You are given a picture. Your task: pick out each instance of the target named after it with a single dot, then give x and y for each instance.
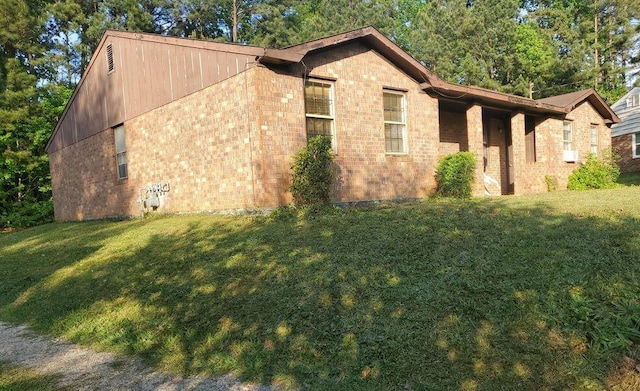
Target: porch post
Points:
(474, 138)
(519, 153)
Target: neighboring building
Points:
(184, 125)
(625, 136)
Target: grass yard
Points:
(629, 179)
(535, 293)
(15, 378)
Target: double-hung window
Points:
(594, 139)
(567, 136)
(319, 109)
(635, 144)
(121, 152)
(395, 124)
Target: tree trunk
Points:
(234, 28)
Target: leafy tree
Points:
(29, 108)
(533, 59)
(593, 42)
(462, 41)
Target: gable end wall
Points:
(201, 145)
(550, 146)
(147, 75)
(364, 170)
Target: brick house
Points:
(625, 135)
(183, 125)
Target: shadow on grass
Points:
(439, 295)
(629, 179)
(14, 378)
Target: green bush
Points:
(595, 173)
(27, 214)
(552, 183)
(455, 174)
(313, 173)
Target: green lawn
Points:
(630, 179)
(15, 378)
(536, 293)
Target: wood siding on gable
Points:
(147, 74)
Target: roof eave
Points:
(369, 35)
(492, 98)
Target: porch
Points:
(503, 141)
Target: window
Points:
(594, 139)
(530, 139)
(567, 136)
(318, 99)
(121, 152)
(394, 122)
(633, 100)
(110, 63)
(636, 145)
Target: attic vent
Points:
(110, 64)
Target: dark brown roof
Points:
(571, 100)
(368, 35)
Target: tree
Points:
(593, 40)
(29, 107)
(462, 41)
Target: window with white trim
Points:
(121, 152)
(567, 135)
(633, 100)
(319, 109)
(636, 145)
(395, 122)
(594, 139)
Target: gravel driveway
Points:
(83, 369)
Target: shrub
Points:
(455, 175)
(313, 173)
(552, 183)
(27, 214)
(595, 173)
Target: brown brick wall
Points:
(475, 140)
(453, 132)
(623, 146)
(549, 147)
(230, 146)
(85, 182)
(280, 131)
(199, 144)
(366, 171)
(519, 159)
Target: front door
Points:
(498, 153)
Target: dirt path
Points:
(83, 369)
